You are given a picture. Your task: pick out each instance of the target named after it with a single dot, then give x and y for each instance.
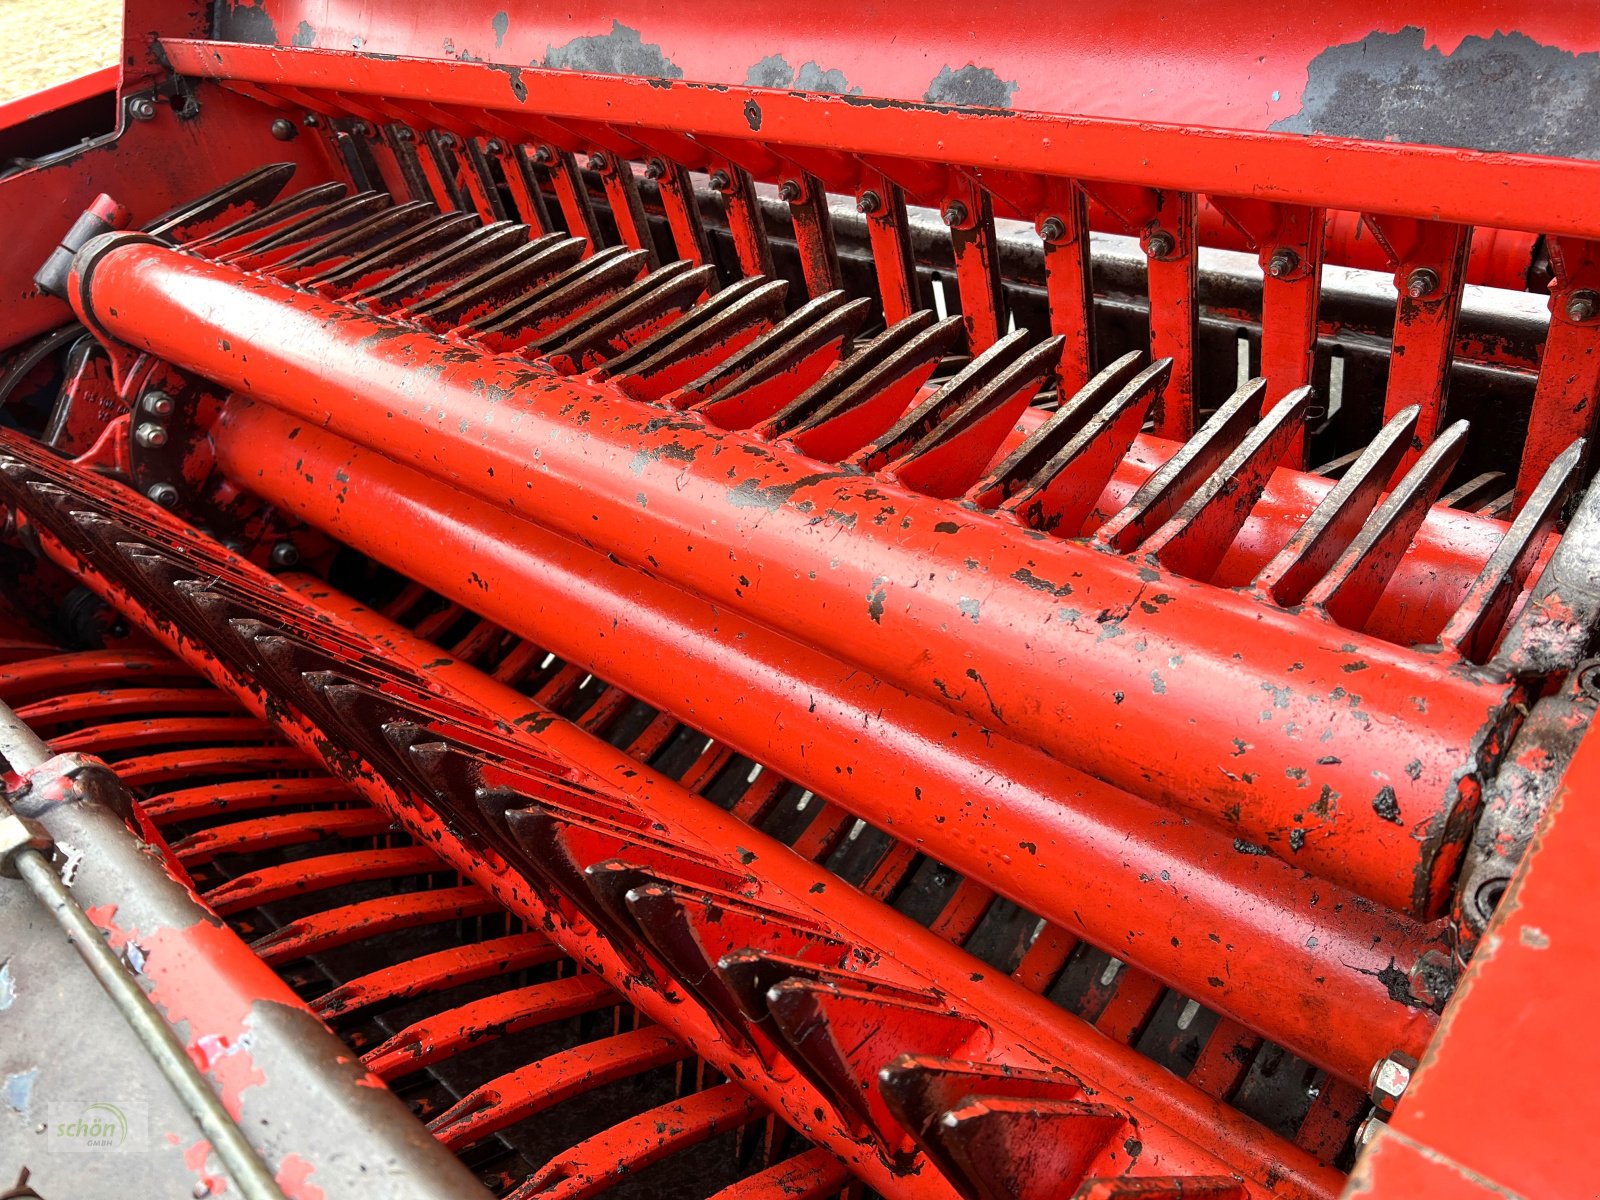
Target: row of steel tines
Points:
(682, 918)
(888, 404)
(546, 173)
(422, 977)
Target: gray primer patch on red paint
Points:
(1502, 93)
(970, 86)
(620, 52)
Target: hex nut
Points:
(157, 404)
(150, 435)
(142, 108)
(1422, 283)
(1390, 1079)
(163, 494)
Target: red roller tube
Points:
(1300, 733)
(1304, 963)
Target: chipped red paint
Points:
(658, 488)
(1024, 1028)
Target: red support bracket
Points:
(1288, 241)
(1564, 403)
(1430, 269)
(1165, 223)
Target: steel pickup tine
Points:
(1335, 521)
(581, 287)
(950, 456)
(1062, 493)
(282, 211)
(403, 291)
(251, 192)
(342, 245)
(392, 254)
(1180, 475)
(921, 1090)
(657, 301)
(1031, 1149)
(861, 397)
(1196, 538)
(1028, 459)
(841, 1037)
(499, 282)
(274, 247)
(1476, 624)
(672, 923)
(1350, 590)
(945, 401)
(769, 373)
(706, 337)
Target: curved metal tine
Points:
(288, 208)
(609, 328)
(1063, 493)
(706, 336)
(1351, 588)
(846, 373)
(1028, 459)
(950, 457)
(603, 257)
(840, 1037)
(282, 242)
(395, 251)
(439, 270)
(1178, 477)
(252, 190)
(773, 369)
(501, 283)
(1196, 538)
(951, 396)
(1317, 544)
(862, 409)
(1555, 629)
(375, 231)
(581, 286)
(920, 1089)
(1475, 626)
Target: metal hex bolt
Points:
(1390, 1079)
(494, 146)
(543, 154)
(869, 202)
(1053, 230)
(163, 494)
(447, 140)
(285, 555)
(789, 191)
(1159, 244)
(157, 404)
(719, 181)
(283, 129)
(954, 214)
(405, 133)
(598, 161)
(1283, 263)
(655, 169)
(1422, 282)
(142, 108)
(1582, 305)
(150, 435)
(312, 120)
